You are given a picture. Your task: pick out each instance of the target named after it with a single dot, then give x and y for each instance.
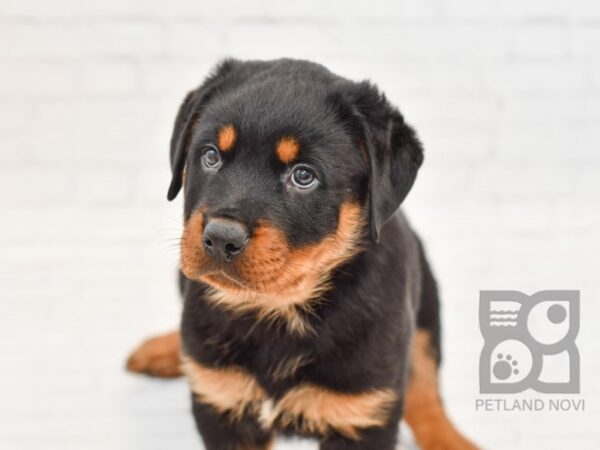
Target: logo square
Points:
(529, 342)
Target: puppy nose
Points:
(224, 239)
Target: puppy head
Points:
(283, 166)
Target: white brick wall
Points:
(505, 95)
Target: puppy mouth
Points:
(268, 265)
(207, 270)
(224, 276)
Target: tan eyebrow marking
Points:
(287, 149)
(226, 138)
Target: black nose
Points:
(224, 239)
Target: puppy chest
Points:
(309, 408)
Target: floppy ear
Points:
(393, 149)
(179, 140)
(187, 117)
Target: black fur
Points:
(362, 325)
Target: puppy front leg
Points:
(424, 411)
(158, 356)
(226, 404)
(370, 439)
(223, 432)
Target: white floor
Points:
(73, 307)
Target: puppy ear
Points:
(392, 147)
(179, 140)
(187, 117)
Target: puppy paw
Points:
(158, 357)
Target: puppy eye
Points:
(304, 178)
(211, 157)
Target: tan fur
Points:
(159, 357)
(363, 153)
(229, 390)
(423, 410)
(270, 277)
(241, 302)
(226, 138)
(193, 258)
(287, 149)
(233, 391)
(322, 410)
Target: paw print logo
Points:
(510, 362)
(505, 367)
(524, 334)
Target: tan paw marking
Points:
(158, 357)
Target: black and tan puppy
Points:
(309, 306)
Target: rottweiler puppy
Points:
(309, 305)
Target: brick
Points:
(133, 38)
(102, 186)
(533, 40)
(428, 41)
(197, 39)
(453, 78)
(538, 9)
(453, 145)
(566, 145)
(469, 9)
(466, 112)
(534, 77)
(109, 77)
(35, 186)
(525, 182)
(13, 147)
(14, 115)
(109, 9)
(152, 183)
(38, 8)
(24, 79)
(92, 131)
(74, 39)
(354, 9)
(213, 9)
(175, 76)
(555, 109)
(586, 41)
(261, 40)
